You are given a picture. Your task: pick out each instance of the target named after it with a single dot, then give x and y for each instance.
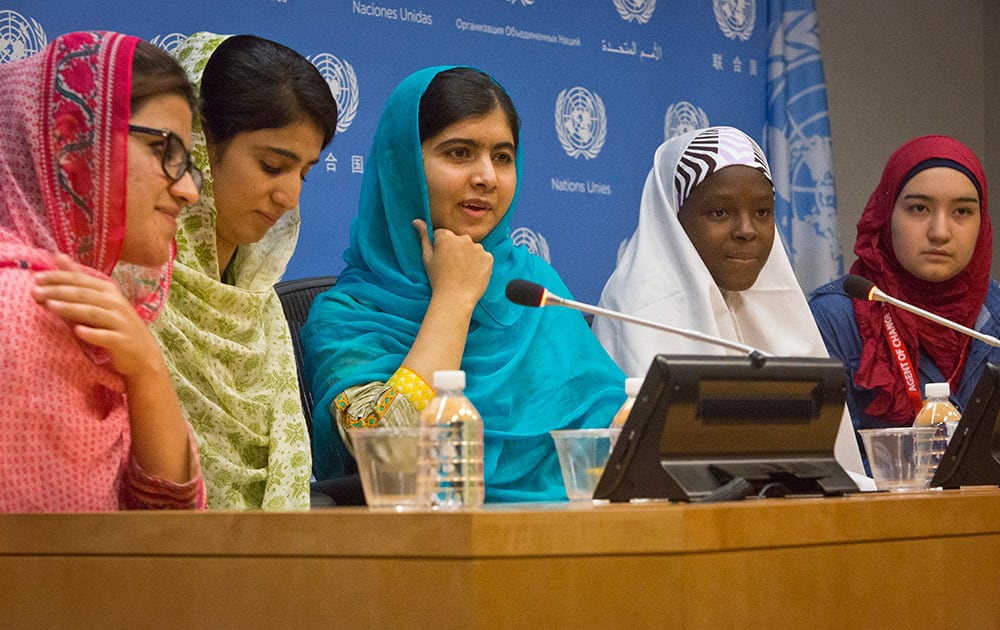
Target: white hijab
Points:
(661, 277)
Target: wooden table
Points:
(919, 560)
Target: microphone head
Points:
(858, 288)
(525, 293)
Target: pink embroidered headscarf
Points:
(63, 143)
(65, 435)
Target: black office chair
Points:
(296, 297)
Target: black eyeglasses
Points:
(174, 159)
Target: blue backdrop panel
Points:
(598, 83)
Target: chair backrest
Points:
(296, 297)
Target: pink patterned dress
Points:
(64, 425)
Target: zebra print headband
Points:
(710, 151)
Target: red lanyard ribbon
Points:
(906, 369)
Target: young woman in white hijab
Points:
(706, 256)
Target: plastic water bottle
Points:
(937, 407)
(939, 412)
(632, 386)
(450, 448)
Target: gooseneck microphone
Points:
(864, 289)
(528, 293)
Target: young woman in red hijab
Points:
(924, 238)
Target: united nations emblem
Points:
(736, 17)
(581, 122)
(169, 42)
(681, 118)
(635, 10)
(535, 242)
(523, 2)
(20, 37)
(343, 84)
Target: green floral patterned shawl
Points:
(229, 350)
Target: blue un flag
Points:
(797, 142)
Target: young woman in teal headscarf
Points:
(429, 258)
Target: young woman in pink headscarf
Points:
(94, 168)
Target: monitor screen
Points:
(700, 421)
(717, 411)
(973, 454)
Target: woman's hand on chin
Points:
(456, 266)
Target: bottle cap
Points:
(632, 386)
(937, 390)
(449, 379)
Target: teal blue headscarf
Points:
(528, 370)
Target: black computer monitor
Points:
(973, 454)
(701, 422)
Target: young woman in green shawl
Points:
(429, 258)
(266, 113)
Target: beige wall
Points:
(897, 69)
(991, 53)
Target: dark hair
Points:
(154, 72)
(251, 83)
(459, 93)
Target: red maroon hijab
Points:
(959, 299)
